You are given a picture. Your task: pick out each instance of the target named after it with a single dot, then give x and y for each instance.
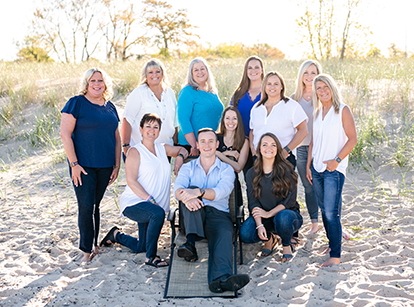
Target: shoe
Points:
(267, 252)
(109, 237)
(232, 283)
(188, 252)
(156, 262)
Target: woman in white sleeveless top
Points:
(334, 136)
(146, 199)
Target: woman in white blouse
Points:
(152, 96)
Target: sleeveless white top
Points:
(154, 174)
(328, 139)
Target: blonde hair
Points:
(154, 63)
(299, 81)
(84, 83)
(333, 87)
(211, 84)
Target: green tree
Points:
(374, 52)
(33, 51)
(172, 26)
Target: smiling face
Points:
(268, 147)
(96, 86)
(150, 130)
(254, 70)
(230, 120)
(310, 73)
(323, 92)
(200, 73)
(273, 87)
(154, 76)
(207, 144)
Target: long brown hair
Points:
(282, 92)
(281, 173)
(244, 84)
(239, 135)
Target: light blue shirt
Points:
(220, 178)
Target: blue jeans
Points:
(150, 219)
(328, 190)
(285, 223)
(310, 198)
(89, 196)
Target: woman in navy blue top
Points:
(90, 136)
(247, 93)
(198, 105)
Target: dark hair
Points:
(150, 117)
(282, 171)
(282, 92)
(206, 130)
(244, 84)
(239, 135)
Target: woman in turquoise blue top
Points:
(198, 105)
(247, 93)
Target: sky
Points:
(249, 22)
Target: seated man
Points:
(206, 212)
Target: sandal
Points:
(156, 262)
(289, 257)
(109, 237)
(267, 252)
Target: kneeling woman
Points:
(271, 191)
(147, 196)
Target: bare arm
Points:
(191, 139)
(253, 150)
(126, 130)
(309, 162)
(67, 125)
(301, 133)
(118, 151)
(350, 131)
(174, 151)
(241, 161)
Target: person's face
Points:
(310, 73)
(150, 130)
(323, 92)
(268, 147)
(200, 74)
(96, 85)
(254, 70)
(273, 87)
(207, 144)
(154, 76)
(230, 120)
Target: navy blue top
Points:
(244, 107)
(94, 133)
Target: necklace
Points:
(268, 175)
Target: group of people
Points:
(263, 133)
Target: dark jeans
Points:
(310, 198)
(285, 223)
(89, 196)
(328, 190)
(150, 219)
(218, 230)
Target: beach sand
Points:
(39, 247)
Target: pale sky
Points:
(249, 22)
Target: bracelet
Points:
(259, 226)
(151, 200)
(181, 155)
(73, 164)
(287, 149)
(125, 145)
(115, 166)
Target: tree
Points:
(331, 25)
(395, 52)
(173, 27)
(33, 51)
(119, 30)
(374, 52)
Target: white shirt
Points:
(328, 139)
(142, 100)
(154, 175)
(282, 121)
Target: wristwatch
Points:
(337, 159)
(202, 192)
(73, 164)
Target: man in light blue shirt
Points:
(206, 213)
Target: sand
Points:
(39, 247)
